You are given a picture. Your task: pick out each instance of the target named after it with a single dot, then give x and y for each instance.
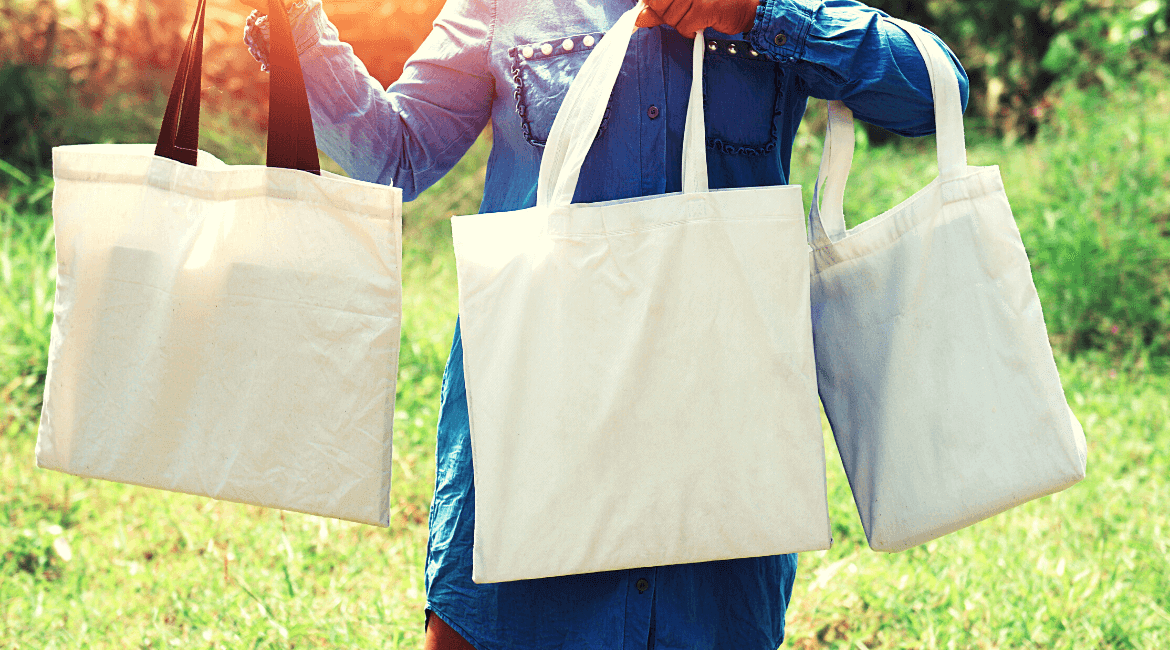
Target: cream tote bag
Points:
(639, 373)
(932, 357)
(227, 331)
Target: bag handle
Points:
(581, 112)
(950, 140)
(291, 142)
(827, 219)
(833, 174)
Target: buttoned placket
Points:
(640, 586)
(651, 90)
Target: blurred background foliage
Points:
(1016, 51)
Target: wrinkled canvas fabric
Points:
(932, 356)
(227, 331)
(639, 373)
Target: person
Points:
(508, 64)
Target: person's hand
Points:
(692, 16)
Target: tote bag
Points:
(227, 331)
(639, 373)
(932, 357)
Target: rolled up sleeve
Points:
(845, 50)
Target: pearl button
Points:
(731, 49)
(546, 49)
(567, 45)
(712, 46)
(754, 53)
(527, 52)
(589, 41)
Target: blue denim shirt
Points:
(509, 64)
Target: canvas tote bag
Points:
(228, 331)
(639, 372)
(932, 356)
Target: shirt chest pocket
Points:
(541, 75)
(741, 98)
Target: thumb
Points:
(648, 18)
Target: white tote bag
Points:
(932, 357)
(228, 331)
(639, 373)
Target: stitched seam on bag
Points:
(267, 192)
(253, 192)
(314, 305)
(241, 195)
(665, 224)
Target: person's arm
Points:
(412, 133)
(842, 49)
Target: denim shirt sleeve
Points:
(413, 132)
(842, 49)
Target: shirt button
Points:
(652, 113)
(780, 39)
(642, 585)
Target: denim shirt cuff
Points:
(308, 22)
(782, 27)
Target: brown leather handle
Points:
(291, 143)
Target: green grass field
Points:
(92, 564)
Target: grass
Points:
(93, 564)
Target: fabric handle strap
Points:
(579, 117)
(178, 137)
(291, 142)
(827, 219)
(836, 159)
(948, 106)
